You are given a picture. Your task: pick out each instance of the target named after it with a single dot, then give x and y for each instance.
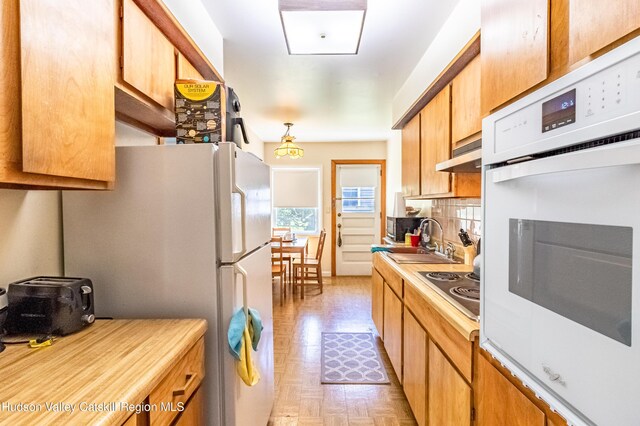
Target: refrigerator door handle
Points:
(243, 221)
(245, 305)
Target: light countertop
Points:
(112, 361)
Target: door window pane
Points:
(358, 199)
(579, 271)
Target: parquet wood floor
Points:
(301, 400)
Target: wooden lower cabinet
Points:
(393, 329)
(377, 302)
(193, 414)
(499, 402)
(415, 367)
(449, 395)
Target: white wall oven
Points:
(560, 282)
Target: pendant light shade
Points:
(288, 147)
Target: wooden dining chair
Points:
(280, 231)
(312, 267)
(287, 257)
(278, 265)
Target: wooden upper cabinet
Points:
(515, 48)
(415, 367)
(67, 89)
(148, 58)
(499, 402)
(435, 140)
(377, 301)
(185, 70)
(56, 103)
(449, 395)
(466, 116)
(411, 157)
(596, 24)
(393, 329)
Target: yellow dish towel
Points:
(244, 366)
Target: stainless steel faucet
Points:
(423, 227)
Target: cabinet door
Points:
(415, 367)
(596, 24)
(466, 118)
(500, 402)
(68, 116)
(193, 414)
(393, 329)
(514, 46)
(449, 394)
(411, 157)
(148, 61)
(377, 301)
(435, 139)
(184, 69)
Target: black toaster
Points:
(50, 305)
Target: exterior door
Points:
(357, 217)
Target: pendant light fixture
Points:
(288, 147)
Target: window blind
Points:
(365, 175)
(295, 187)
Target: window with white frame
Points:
(296, 199)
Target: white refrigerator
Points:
(185, 228)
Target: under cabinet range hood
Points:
(466, 159)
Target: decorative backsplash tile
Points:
(455, 214)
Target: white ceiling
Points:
(328, 98)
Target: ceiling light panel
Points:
(322, 27)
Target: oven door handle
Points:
(619, 154)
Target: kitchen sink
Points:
(421, 258)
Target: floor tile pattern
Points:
(301, 399)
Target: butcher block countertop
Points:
(112, 361)
(459, 321)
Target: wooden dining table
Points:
(300, 246)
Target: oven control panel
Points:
(600, 99)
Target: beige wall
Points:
(30, 234)
(320, 155)
(255, 145)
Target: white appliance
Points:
(183, 229)
(560, 296)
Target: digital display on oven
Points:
(559, 111)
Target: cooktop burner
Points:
(466, 292)
(473, 277)
(443, 276)
(462, 290)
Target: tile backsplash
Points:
(455, 214)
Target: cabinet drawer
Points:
(178, 385)
(389, 275)
(454, 345)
